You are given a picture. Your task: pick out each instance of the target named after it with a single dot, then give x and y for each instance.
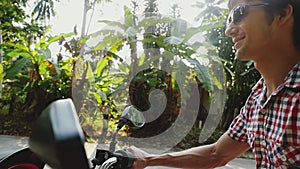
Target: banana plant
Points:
(120, 34)
(33, 69)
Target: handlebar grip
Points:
(125, 159)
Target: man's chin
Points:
(239, 55)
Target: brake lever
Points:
(108, 163)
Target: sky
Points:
(69, 13)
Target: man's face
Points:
(248, 27)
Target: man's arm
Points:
(208, 156)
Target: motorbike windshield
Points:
(158, 64)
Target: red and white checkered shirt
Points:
(271, 126)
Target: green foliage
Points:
(241, 76)
(102, 82)
(97, 77)
(31, 72)
(44, 9)
(14, 24)
(2, 73)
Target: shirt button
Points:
(263, 111)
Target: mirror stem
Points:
(113, 143)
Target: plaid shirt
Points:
(271, 126)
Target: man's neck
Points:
(275, 69)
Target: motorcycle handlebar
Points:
(121, 159)
(108, 163)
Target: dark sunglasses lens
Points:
(237, 14)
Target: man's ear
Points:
(286, 15)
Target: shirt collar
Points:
(292, 80)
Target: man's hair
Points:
(277, 7)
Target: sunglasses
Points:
(240, 12)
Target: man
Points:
(266, 32)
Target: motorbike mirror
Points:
(57, 137)
(133, 116)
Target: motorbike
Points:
(57, 140)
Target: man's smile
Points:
(236, 41)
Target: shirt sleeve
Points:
(238, 128)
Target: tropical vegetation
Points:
(124, 66)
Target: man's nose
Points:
(231, 30)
